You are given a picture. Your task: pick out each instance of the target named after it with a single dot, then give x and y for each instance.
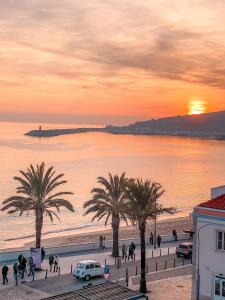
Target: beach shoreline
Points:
(164, 227)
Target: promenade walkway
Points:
(70, 260)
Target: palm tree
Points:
(36, 193)
(142, 205)
(108, 201)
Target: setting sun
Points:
(197, 107)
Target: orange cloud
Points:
(117, 60)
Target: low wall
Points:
(81, 248)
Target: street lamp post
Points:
(155, 226)
(155, 233)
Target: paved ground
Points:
(71, 259)
(56, 284)
(163, 274)
(22, 292)
(168, 289)
(171, 289)
(66, 283)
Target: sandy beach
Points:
(164, 227)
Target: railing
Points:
(120, 269)
(6, 256)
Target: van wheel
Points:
(87, 277)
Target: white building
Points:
(209, 248)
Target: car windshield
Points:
(183, 246)
(80, 266)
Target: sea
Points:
(186, 167)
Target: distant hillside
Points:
(205, 125)
(211, 125)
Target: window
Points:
(221, 240)
(223, 288)
(217, 287)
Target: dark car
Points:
(184, 250)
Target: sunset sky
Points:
(111, 61)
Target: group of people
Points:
(53, 261)
(158, 239)
(22, 267)
(131, 251)
(102, 243)
(19, 269)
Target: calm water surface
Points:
(187, 168)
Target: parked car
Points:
(87, 269)
(184, 250)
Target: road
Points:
(66, 283)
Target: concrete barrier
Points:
(81, 248)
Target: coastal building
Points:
(209, 248)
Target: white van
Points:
(87, 269)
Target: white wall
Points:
(211, 261)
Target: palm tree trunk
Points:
(38, 227)
(115, 227)
(143, 288)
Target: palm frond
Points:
(107, 199)
(33, 192)
(142, 200)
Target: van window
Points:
(97, 266)
(92, 266)
(87, 267)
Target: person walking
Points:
(5, 270)
(100, 242)
(103, 244)
(151, 238)
(21, 270)
(124, 251)
(42, 254)
(31, 267)
(56, 264)
(131, 251)
(159, 239)
(15, 273)
(174, 232)
(50, 261)
(133, 247)
(20, 257)
(24, 263)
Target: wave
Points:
(181, 209)
(54, 231)
(81, 226)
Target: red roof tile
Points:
(216, 203)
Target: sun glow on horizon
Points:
(196, 107)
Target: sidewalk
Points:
(171, 289)
(65, 262)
